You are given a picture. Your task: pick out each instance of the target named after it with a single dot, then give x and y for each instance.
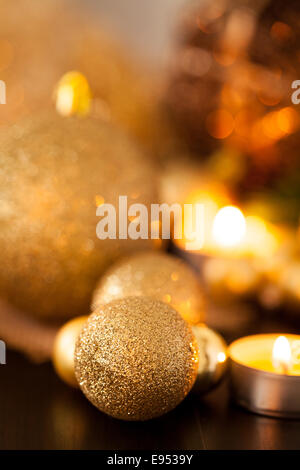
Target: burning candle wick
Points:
(282, 355)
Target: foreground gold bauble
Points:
(55, 171)
(212, 363)
(136, 358)
(158, 275)
(63, 350)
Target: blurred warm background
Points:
(170, 101)
(203, 89)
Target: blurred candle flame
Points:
(282, 355)
(221, 357)
(229, 226)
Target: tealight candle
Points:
(265, 374)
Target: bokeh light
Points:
(229, 227)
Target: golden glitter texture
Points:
(136, 358)
(157, 275)
(63, 350)
(33, 57)
(212, 363)
(52, 170)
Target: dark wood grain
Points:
(37, 411)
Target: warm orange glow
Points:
(212, 199)
(99, 200)
(229, 227)
(232, 96)
(270, 126)
(223, 57)
(260, 239)
(258, 353)
(243, 120)
(195, 61)
(270, 97)
(282, 355)
(221, 357)
(214, 10)
(288, 120)
(6, 54)
(203, 26)
(220, 124)
(73, 95)
(281, 31)
(275, 126)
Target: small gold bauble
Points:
(212, 363)
(158, 275)
(55, 171)
(135, 358)
(63, 350)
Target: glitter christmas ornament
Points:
(63, 350)
(212, 363)
(136, 358)
(158, 275)
(54, 173)
(33, 59)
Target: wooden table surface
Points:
(37, 411)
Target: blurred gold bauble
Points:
(212, 363)
(154, 274)
(33, 58)
(136, 358)
(54, 173)
(63, 350)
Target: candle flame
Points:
(221, 357)
(229, 226)
(282, 354)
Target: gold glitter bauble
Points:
(33, 58)
(63, 350)
(54, 172)
(154, 274)
(136, 358)
(212, 363)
